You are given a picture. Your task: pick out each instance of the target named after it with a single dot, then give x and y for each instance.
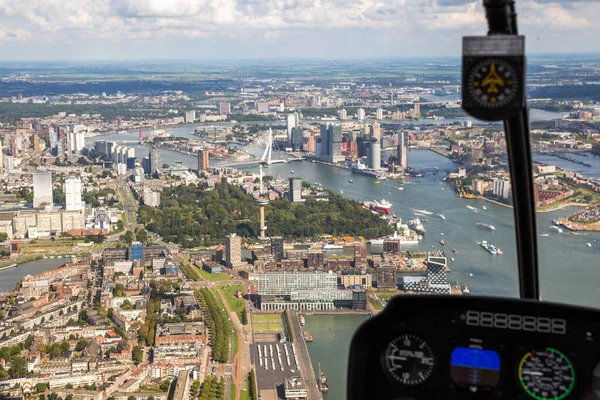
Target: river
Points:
(10, 277)
(568, 268)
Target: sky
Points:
(241, 29)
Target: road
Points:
(241, 360)
(130, 205)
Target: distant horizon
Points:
(287, 59)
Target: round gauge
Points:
(546, 374)
(408, 359)
(492, 83)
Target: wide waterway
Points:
(10, 277)
(568, 268)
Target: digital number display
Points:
(516, 322)
(475, 367)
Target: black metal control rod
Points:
(502, 20)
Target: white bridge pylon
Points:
(266, 157)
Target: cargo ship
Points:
(383, 206)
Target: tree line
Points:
(212, 389)
(218, 324)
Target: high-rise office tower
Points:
(379, 114)
(331, 143)
(361, 114)
(297, 139)
(190, 116)
(154, 161)
(203, 160)
(277, 247)
(295, 190)
(402, 151)
(42, 188)
(73, 194)
(335, 138)
(417, 109)
(374, 154)
(376, 131)
(233, 250)
(75, 142)
(293, 121)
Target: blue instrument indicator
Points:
(475, 367)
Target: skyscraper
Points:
(376, 131)
(331, 143)
(379, 114)
(335, 138)
(233, 250)
(154, 160)
(402, 151)
(277, 247)
(203, 161)
(42, 188)
(73, 194)
(75, 142)
(374, 154)
(417, 109)
(343, 114)
(190, 116)
(297, 139)
(293, 121)
(295, 190)
(361, 114)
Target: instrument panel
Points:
(450, 347)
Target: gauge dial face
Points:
(493, 83)
(408, 359)
(546, 374)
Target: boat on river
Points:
(417, 226)
(485, 226)
(490, 248)
(323, 385)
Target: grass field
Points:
(236, 305)
(265, 318)
(386, 294)
(268, 327)
(214, 277)
(263, 323)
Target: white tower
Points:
(73, 194)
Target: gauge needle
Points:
(396, 358)
(536, 373)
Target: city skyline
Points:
(237, 29)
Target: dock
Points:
(306, 368)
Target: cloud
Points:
(60, 21)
